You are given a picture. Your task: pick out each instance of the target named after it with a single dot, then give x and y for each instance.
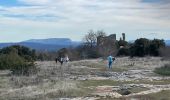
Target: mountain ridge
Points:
(60, 41)
(49, 44)
(52, 44)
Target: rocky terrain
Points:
(129, 79)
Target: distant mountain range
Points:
(51, 44)
(167, 42)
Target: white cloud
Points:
(78, 16)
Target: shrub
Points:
(85, 51)
(18, 59)
(165, 52)
(122, 43)
(123, 52)
(24, 52)
(16, 64)
(142, 47)
(164, 70)
(155, 45)
(124, 92)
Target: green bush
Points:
(165, 70)
(124, 92)
(20, 62)
(123, 52)
(16, 64)
(142, 47)
(24, 52)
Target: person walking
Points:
(67, 59)
(110, 61)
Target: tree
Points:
(123, 52)
(123, 48)
(89, 49)
(144, 46)
(63, 52)
(155, 45)
(140, 47)
(122, 43)
(100, 33)
(90, 38)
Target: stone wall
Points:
(107, 45)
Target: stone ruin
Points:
(106, 45)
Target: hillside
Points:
(167, 42)
(51, 41)
(51, 44)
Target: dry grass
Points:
(46, 89)
(53, 81)
(163, 95)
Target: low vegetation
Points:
(18, 59)
(124, 92)
(83, 80)
(164, 70)
(162, 95)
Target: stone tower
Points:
(106, 45)
(123, 36)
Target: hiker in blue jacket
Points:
(110, 61)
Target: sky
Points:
(37, 19)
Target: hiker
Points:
(62, 59)
(59, 59)
(110, 61)
(66, 59)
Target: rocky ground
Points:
(129, 79)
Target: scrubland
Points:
(129, 79)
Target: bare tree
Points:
(90, 38)
(100, 33)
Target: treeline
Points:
(21, 59)
(142, 47)
(139, 48)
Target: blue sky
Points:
(35, 19)
(10, 3)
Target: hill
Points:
(51, 41)
(167, 42)
(51, 44)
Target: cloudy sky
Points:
(34, 19)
